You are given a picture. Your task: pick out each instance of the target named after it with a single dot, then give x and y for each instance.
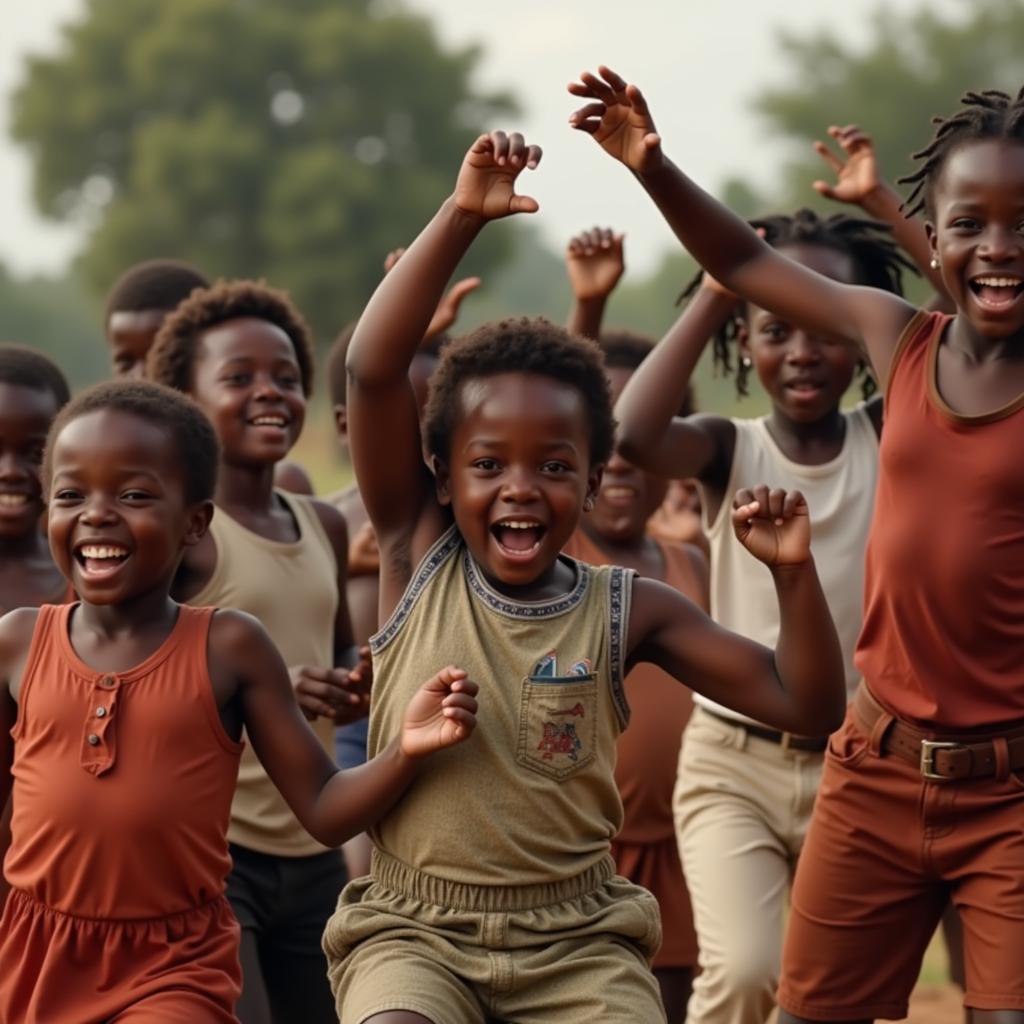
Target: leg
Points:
(251, 887)
(253, 1005)
(996, 1016)
(676, 984)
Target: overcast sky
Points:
(699, 63)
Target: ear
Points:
(933, 244)
(341, 423)
(199, 516)
(442, 479)
(593, 485)
(742, 336)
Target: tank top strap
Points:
(620, 599)
(45, 645)
(305, 515)
(924, 328)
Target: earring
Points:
(747, 362)
(935, 263)
(588, 504)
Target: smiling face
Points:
(25, 417)
(976, 229)
(518, 472)
(805, 374)
(629, 496)
(130, 336)
(247, 380)
(118, 520)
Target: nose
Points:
(616, 465)
(803, 349)
(98, 511)
(267, 388)
(10, 469)
(520, 486)
(999, 243)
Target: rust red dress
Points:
(122, 789)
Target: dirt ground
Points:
(936, 1004)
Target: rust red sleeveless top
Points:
(943, 636)
(122, 781)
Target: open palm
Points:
(856, 176)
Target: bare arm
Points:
(383, 422)
(16, 630)
(797, 688)
(650, 433)
(595, 263)
(726, 246)
(332, 805)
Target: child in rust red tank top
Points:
(120, 719)
(922, 794)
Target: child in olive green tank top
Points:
(492, 893)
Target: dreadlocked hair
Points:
(991, 114)
(878, 261)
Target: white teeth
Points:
(103, 551)
(516, 524)
(999, 282)
(268, 421)
(13, 500)
(619, 492)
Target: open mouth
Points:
(518, 538)
(996, 292)
(9, 499)
(98, 560)
(804, 388)
(618, 495)
(276, 422)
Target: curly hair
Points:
(174, 413)
(171, 358)
(525, 345)
(27, 368)
(627, 350)
(991, 114)
(877, 260)
(153, 284)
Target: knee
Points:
(745, 975)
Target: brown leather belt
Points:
(787, 740)
(938, 756)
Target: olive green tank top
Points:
(292, 588)
(530, 798)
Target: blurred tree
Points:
(296, 141)
(57, 317)
(913, 66)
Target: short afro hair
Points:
(27, 368)
(524, 345)
(627, 350)
(173, 353)
(176, 414)
(334, 366)
(153, 284)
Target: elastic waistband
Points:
(26, 902)
(488, 899)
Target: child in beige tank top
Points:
(492, 892)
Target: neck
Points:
(634, 544)
(144, 612)
(827, 430)
(24, 546)
(980, 348)
(248, 487)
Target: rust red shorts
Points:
(885, 851)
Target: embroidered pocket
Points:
(558, 724)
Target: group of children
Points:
(186, 667)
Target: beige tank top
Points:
(530, 798)
(292, 588)
(840, 495)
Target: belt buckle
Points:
(928, 749)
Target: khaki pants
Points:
(742, 806)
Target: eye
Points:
(67, 495)
(289, 380)
(34, 454)
(965, 224)
(555, 466)
(776, 330)
(237, 379)
(135, 496)
(486, 465)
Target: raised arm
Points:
(728, 248)
(649, 432)
(860, 183)
(382, 417)
(595, 263)
(332, 805)
(798, 687)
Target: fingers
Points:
(392, 258)
(823, 188)
(762, 502)
(458, 701)
(828, 156)
(795, 505)
(599, 89)
(590, 243)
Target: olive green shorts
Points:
(573, 950)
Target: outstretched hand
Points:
(340, 694)
(447, 311)
(773, 525)
(618, 119)
(486, 183)
(857, 176)
(441, 713)
(595, 262)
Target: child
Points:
(492, 892)
(920, 797)
(645, 769)
(243, 352)
(137, 306)
(745, 792)
(32, 392)
(120, 719)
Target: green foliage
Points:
(298, 142)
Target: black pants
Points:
(282, 905)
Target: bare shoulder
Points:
(333, 522)
(16, 629)
(236, 636)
